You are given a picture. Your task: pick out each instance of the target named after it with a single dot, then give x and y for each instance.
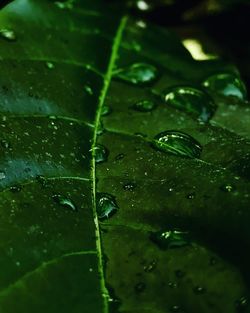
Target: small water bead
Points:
(144, 106)
(140, 287)
(7, 34)
(192, 101)
(106, 110)
(227, 188)
(88, 90)
(2, 175)
(150, 267)
(129, 186)
(143, 5)
(191, 196)
(177, 143)
(199, 290)
(175, 309)
(63, 201)
(50, 65)
(119, 157)
(226, 84)
(138, 74)
(5, 144)
(101, 153)
(64, 5)
(170, 239)
(16, 188)
(106, 205)
(242, 304)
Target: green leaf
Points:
(142, 229)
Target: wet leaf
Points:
(84, 187)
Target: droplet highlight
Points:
(138, 74)
(106, 205)
(192, 101)
(226, 84)
(177, 143)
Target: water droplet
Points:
(88, 89)
(106, 110)
(106, 205)
(226, 84)
(120, 156)
(144, 106)
(16, 188)
(140, 287)
(177, 143)
(7, 34)
(175, 309)
(170, 239)
(143, 5)
(150, 267)
(101, 153)
(138, 74)
(227, 188)
(242, 304)
(100, 129)
(5, 144)
(191, 195)
(191, 100)
(64, 5)
(2, 175)
(129, 186)
(67, 203)
(50, 65)
(199, 290)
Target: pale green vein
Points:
(21, 281)
(32, 181)
(52, 118)
(59, 61)
(107, 80)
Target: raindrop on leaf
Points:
(192, 101)
(177, 143)
(144, 106)
(106, 205)
(65, 202)
(138, 74)
(226, 84)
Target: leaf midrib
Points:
(107, 80)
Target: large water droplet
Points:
(191, 100)
(144, 106)
(101, 153)
(170, 239)
(226, 84)
(138, 74)
(7, 34)
(177, 143)
(63, 201)
(106, 205)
